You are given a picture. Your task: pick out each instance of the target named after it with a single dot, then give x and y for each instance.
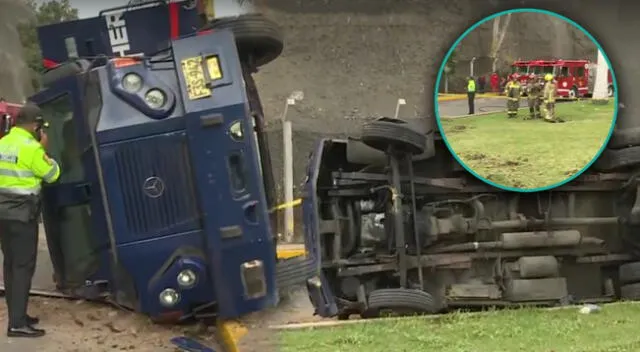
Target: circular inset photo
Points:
(526, 100)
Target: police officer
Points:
(23, 166)
(513, 91)
(549, 99)
(471, 94)
(534, 92)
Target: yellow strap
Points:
(291, 204)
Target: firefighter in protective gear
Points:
(534, 93)
(513, 91)
(471, 94)
(549, 99)
(23, 166)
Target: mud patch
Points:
(511, 163)
(457, 129)
(473, 156)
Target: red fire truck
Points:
(8, 114)
(575, 78)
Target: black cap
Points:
(29, 113)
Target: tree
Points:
(49, 12)
(601, 86)
(449, 70)
(497, 38)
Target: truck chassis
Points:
(403, 229)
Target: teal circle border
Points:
(437, 108)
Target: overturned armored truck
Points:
(401, 227)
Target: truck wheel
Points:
(384, 133)
(258, 38)
(630, 292)
(629, 273)
(573, 93)
(625, 138)
(400, 301)
(610, 91)
(612, 159)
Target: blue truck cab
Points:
(164, 203)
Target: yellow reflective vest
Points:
(23, 166)
(471, 86)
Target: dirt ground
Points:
(94, 327)
(75, 326)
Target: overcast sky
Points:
(91, 8)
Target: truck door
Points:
(66, 204)
(226, 168)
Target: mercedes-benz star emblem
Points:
(153, 187)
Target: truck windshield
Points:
(69, 235)
(62, 138)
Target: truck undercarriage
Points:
(403, 229)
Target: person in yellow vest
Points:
(549, 99)
(513, 91)
(24, 165)
(471, 94)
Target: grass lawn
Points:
(530, 154)
(614, 329)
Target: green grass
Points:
(530, 154)
(614, 329)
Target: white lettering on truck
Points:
(118, 35)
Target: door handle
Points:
(250, 210)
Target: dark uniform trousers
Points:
(19, 242)
(471, 96)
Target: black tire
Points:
(611, 91)
(259, 39)
(625, 138)
(64, 70)
(403, 301)
(629, 273)
(612, 159)
(575, 92)
(630, 292)
(384, 133)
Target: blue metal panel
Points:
(145, 261)
(322, 298)
(93, 35)
(153, 180)
(121, 120)
(207, 122)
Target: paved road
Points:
(483, 105)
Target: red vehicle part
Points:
(8, 113)
(574, 78)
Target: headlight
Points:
(132, 82)
(155, 98)
(169, 297)
(187, 278)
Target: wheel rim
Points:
(572, 93)
(610, 91)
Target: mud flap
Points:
(321, 298)
(298, 271)
(291, 272)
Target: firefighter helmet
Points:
(548, 77)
